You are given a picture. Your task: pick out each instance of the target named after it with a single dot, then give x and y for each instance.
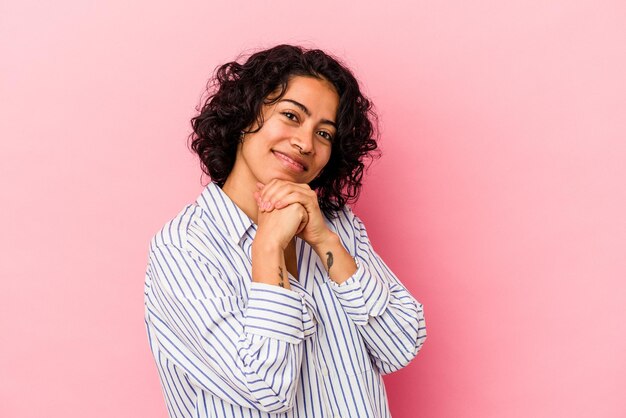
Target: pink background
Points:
(499, 200)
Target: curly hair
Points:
(237, 93)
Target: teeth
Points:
(294, 162)
(290, 160)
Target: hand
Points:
(279, 226)
(280, 194)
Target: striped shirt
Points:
(225, 346)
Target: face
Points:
(295, 140)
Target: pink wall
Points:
(499, 201)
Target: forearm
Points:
(253, 350)
(337, 260)
(268, 264)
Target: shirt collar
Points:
(225, 213)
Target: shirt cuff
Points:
(278, 313)
(362, 295)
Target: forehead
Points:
(306, 82)
(315, 93)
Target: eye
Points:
(325, 135)
(290, 115)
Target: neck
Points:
(240, 189)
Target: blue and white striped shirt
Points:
(229, 347)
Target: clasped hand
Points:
(287, 209)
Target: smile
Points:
(289, 163)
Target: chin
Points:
(287, 177)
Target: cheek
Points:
(324, 158)
(275, 129)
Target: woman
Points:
(265, 297)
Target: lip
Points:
(292, 161)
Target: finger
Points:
(308, 200)
(273, 190)
(290, 198)
(303, 223)
(265, 191)
(261, 205)
(276, 184)
(277, 189)
(288, 195)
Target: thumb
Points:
(303, 223)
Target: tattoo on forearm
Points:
(329, 260)
(281, 274)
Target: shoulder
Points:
(175, 231)
(193, 233)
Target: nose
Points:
(303, 141)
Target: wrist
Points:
(339, 264)
(330, 240)
(268, 264)
(267, 246)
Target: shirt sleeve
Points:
(248, 354)
(389, 319)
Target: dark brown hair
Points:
(237, 93)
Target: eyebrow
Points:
(308, 113)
